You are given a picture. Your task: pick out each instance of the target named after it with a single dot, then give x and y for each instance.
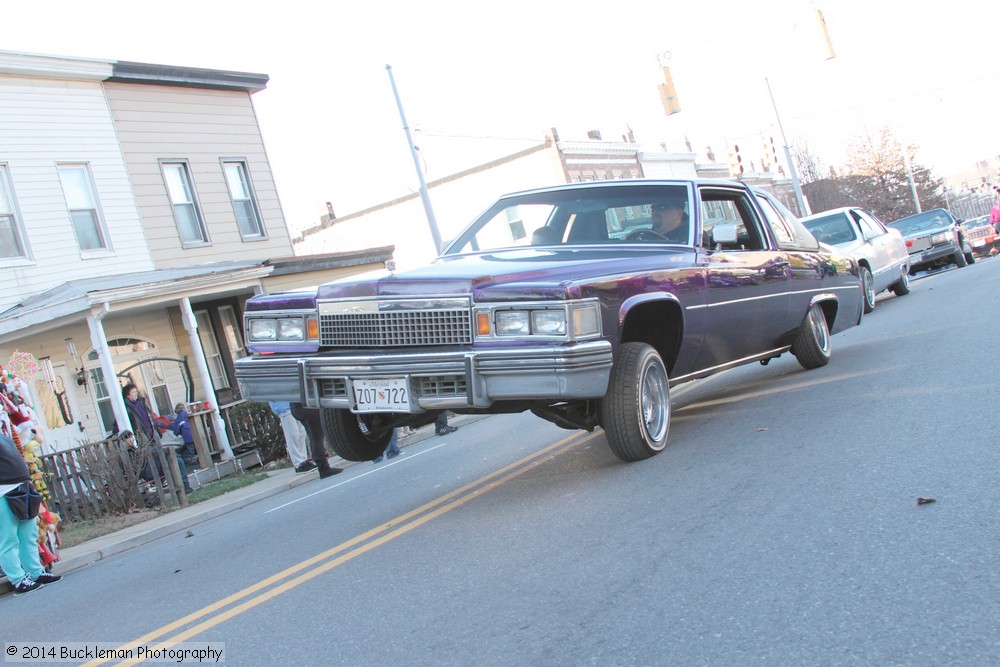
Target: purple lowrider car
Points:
(576, 302)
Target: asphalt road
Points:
(779, 527)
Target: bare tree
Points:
(807, 164)
(879, 181)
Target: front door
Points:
(55, 405)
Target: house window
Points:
(244, 203)
(210, 345)
(11, 233)
(180, 190)
(78, 188)
(231, 330)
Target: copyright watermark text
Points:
(185, 653)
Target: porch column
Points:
(100, 342)
(219, 426)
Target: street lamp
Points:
(830, 54)
(424, 197)
(803, 211)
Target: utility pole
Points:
(913, 186)
(424, 197)
(803, 211)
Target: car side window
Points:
(868, 229)
(727, 207)
(779, 227)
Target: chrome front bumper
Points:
(437, 380)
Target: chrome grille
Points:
(397, 328)
(442, 385)
(335, 388)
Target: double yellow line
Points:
(286, 580)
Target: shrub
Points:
(254, 425)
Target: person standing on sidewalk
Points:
(18, 537)
(314, 428)
(392, 449)
(295, 437)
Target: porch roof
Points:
(74, 300)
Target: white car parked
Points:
(880, 251)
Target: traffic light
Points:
(735, 161)
(668, 95)
(770, 154)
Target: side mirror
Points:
(723, 233)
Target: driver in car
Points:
(670, 220)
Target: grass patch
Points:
(225, 485)
(78, 532)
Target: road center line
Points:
(349, 550)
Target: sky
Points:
(478, 81)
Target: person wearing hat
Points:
(18, 537)
(670, 220)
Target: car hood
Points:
(542, 273)
(925, 232)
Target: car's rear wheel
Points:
(351, 437)
(868, 288)
(635, 413)
(902, 286)
(959, 259)
(811, 345)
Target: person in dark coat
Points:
(314, 429)
(18, 538)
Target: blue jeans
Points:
(392, 449)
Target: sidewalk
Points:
(178, 520)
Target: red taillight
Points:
(909, 243)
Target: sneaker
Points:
(47, 578)
(378, 460)
(26, 586)
(329, 472)
(445, 430)
(306, 466)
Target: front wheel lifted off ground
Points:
(635, 413)
(350, 436)
(811, 345)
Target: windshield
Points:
(834, 229)
(922, 222)
(975, 223)
(621, 214)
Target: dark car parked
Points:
(569, 302)
(934, 239)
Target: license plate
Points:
(388, 395)
(979, 243)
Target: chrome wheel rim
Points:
(654, 402)
(820, 332)
(869, 285)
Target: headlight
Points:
(261, 329)
(291, 328)
(548, 322)
(513, 323)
